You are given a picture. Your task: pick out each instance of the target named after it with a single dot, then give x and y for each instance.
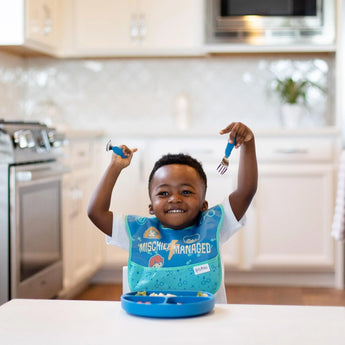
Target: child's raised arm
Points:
(248, 170)
(98, 210)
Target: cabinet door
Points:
(41, 23)
(101, 25)
(76, 262)
(172, 24)
(83, 244)
(31, 24)
(293, 214)
(117, 27)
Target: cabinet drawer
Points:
(299, 149)
(80, 153)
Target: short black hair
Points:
(179, 158)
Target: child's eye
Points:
(163, 193)
(186, 192)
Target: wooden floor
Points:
(242, 295)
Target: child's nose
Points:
(175, 197)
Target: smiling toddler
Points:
(179, 246)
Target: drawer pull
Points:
(292, 151)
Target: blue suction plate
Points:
(181, 304)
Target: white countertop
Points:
(146, 133)
(102, 322)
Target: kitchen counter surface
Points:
(103, 322)
(144, 133)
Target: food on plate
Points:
(162, 294)
(141, 293)
(201, 294)
(140, 302)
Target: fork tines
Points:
(223, 166)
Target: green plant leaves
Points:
(292, 91)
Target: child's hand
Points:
(244, 134)
(123, 162)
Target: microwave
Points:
(270, 21)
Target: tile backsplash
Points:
(163, 96)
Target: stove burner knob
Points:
(24, 139)
(51, 137)
(56, 139)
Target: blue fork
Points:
(223, 166)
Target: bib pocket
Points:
(205, 276)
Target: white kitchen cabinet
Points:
(83, 244)
(287, 239)
(76, 264)
(134, 27)
(31, 24)
(41, 23)
(293, 211)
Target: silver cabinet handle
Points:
(23, 176)
(142, 26)
(292, 151)
(138, 28)
(47, 27)
(134, 30)
(44, 172)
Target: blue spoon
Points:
(117, 150)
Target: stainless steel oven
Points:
(30, 212)
(35, 230)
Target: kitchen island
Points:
(102, 322)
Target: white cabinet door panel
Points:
(294, 208)
(41, 22)
(131, 27)
(101, 24)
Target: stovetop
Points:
(28, 141)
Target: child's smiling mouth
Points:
(176, 210)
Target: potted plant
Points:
(293, 95)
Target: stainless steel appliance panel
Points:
(35, 229)
(4, 235)
(30, 210)
(262, 22)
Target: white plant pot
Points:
(291, 115)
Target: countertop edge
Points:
(258, 132)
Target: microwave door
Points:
(270, 8)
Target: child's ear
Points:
(151, 211)
(204, 206)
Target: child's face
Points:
(177, 195)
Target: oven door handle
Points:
(41, 173)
